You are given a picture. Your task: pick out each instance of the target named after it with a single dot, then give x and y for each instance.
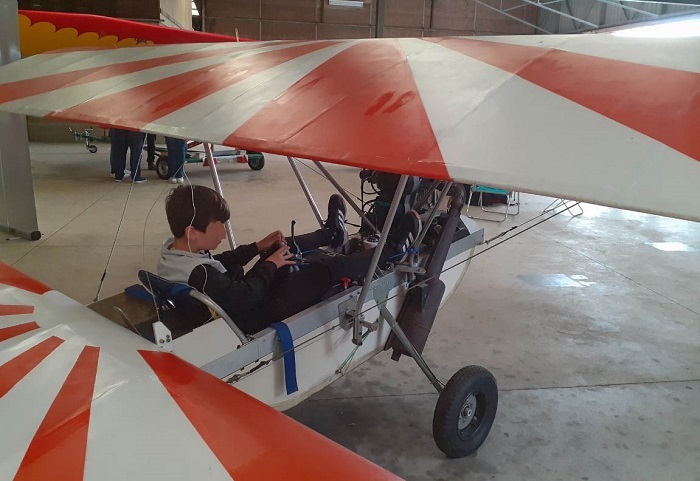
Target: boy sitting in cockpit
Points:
(268, 292)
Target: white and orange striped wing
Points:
(599, 118)
(84, 399)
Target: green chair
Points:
(497, 213)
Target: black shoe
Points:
(336, 221)
(408, 231)
(151, 165)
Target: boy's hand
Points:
(281, 257)
(270, 240)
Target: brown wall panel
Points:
(399, 32)
(131, 9)
(347, 15)
(453, 15)
(343, 31)
(448, 33)
(288, 30)
(491, 22)
(148, 9)
(291, 10)
(232, 8)
(407, 13)
(247, 27)
(99, 7)
(527, 13)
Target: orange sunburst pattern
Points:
(12, 309)
(14, 331)
(44, 36)
(14, 370)
(59, 446)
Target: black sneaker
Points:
(408, 231)
(138, 180)
(151, 165)
(336, 221)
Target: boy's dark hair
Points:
(194, 205)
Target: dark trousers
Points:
(117, 151)
(120, 141)
(135, 142)
(296, 290)
(177, 152)
(150, 148)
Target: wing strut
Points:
(217, 186)
(358, 317)
(305, 188)
(433, 213)
(406, 342)
(345, 195)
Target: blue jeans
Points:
(120, 141)
(135, 142)
(177, 151)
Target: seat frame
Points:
(512, 199)
(164, 290)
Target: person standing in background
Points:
(122, 140)
(151, 151)
(117, 153)
(135, 142)
(177, 152)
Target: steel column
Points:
(17, 203)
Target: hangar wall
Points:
(318, 19)
(171, 12)
(143, 10)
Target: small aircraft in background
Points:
(449, 111)
(89, 138)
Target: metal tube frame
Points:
(347, 198)
(207, 301)
(433, 213)
(419, 205)
(358, 317)
(627, 7)
(410, 348)
(565, 15)
(305, 188)
(217, 186)
(496, 9)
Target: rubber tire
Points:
(92, 149)
(448, 437)
(162, 168)
(256, 161)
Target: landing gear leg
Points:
(466, 407)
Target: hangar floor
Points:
(591, 325)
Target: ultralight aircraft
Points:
(436, 113)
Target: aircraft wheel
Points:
(162, 168)
(256, 160)
(92, 148)
(465, 411)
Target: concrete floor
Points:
(592, 332)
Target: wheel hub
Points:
(466, 414)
